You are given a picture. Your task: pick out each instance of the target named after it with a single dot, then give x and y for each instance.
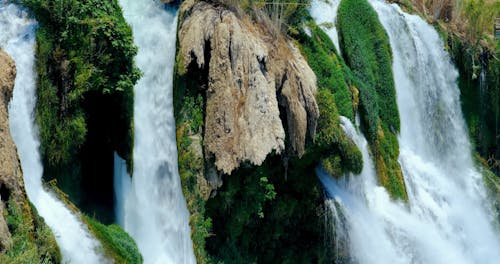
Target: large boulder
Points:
(251, 73)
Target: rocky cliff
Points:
(259, 87)
(24, 236)
(11, 181)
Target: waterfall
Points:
(448, 218)
(325, 13)
(155, 212)
(17, 38)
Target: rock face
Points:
(250, 75)
(11, 180)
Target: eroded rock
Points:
(250, 74)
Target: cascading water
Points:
(155, 212)
(17, 38)
(448, 218)
(325, 13)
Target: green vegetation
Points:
(492, 184)
(481, 106)
(83, 47)
(269, 214)
(117, 244)
(32, 240)
(367, 51)
(86, 74)
(335, 96)
(324, 61)
(189, 116)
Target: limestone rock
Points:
(249, 76)
(11, 180)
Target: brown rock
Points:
(11, 180)
(247, 75)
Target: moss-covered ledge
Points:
(367, 51)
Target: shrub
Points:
(117, 244)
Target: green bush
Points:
(117, 244)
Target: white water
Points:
(448, 218)
(325, 11)
(17, 38)
(155, 212)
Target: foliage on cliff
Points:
(336, 91)
(86, 74)
(83, 47)
(367, 51)
(479, 83)
(32, 240)
(269, 214)
(189, 116)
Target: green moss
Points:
(330, 139)
(386, 152)
(324, 61)
(367, 51)
(32, 240)
(117, 244)
(189, 116)
(86, 74)
(481, 109)
(81, 47)
(334, 98)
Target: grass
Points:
(32, 240)
(117, 244)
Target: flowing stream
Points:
(448, 218)
(153, 208)
(17, 38)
